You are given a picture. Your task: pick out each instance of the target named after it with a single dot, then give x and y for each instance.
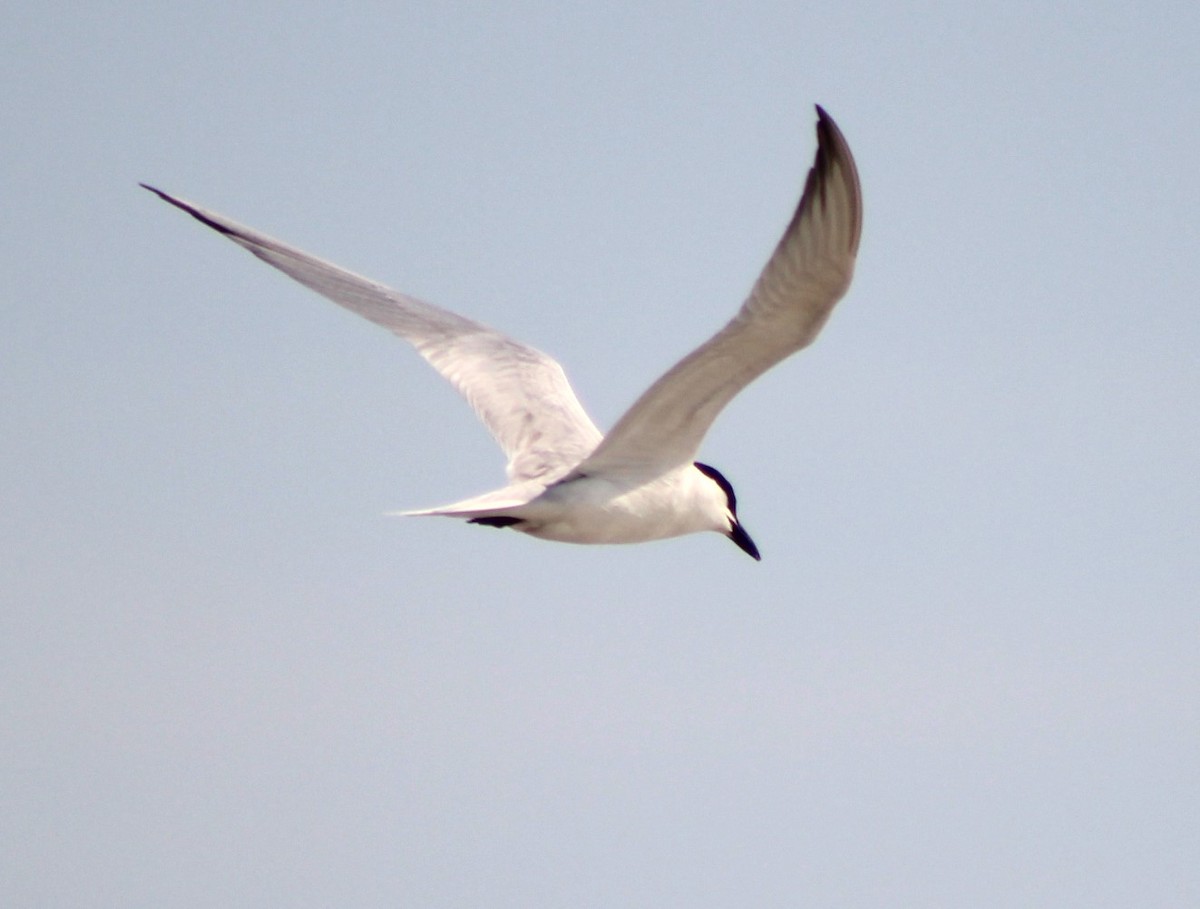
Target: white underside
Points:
(598, 509)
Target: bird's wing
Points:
(521, 395)
(807, 274)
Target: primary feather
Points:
(808, 273)
(521, 395)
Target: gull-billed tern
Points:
(566, 481)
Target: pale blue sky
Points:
(965, 673)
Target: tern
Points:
(566, 481)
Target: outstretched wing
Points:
(808, 273)
(520, 394)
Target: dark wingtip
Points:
(830, 141)
(194, 212)
(162, 195)
(832, 151)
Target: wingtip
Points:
(833, 150)
(827, 128)
(830, 141)
(192, 210)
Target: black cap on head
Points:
(737, 534)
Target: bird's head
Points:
(732, 527)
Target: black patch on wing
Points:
(499, 520)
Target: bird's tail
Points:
(500, 501)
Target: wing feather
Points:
(806, 275)
(521, 394)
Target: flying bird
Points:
(566, 480)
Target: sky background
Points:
(966, 671)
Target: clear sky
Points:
(966, 671)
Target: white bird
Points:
(567, 482)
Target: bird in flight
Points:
(567, 481)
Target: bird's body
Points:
(613, 509)
(641, 482)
